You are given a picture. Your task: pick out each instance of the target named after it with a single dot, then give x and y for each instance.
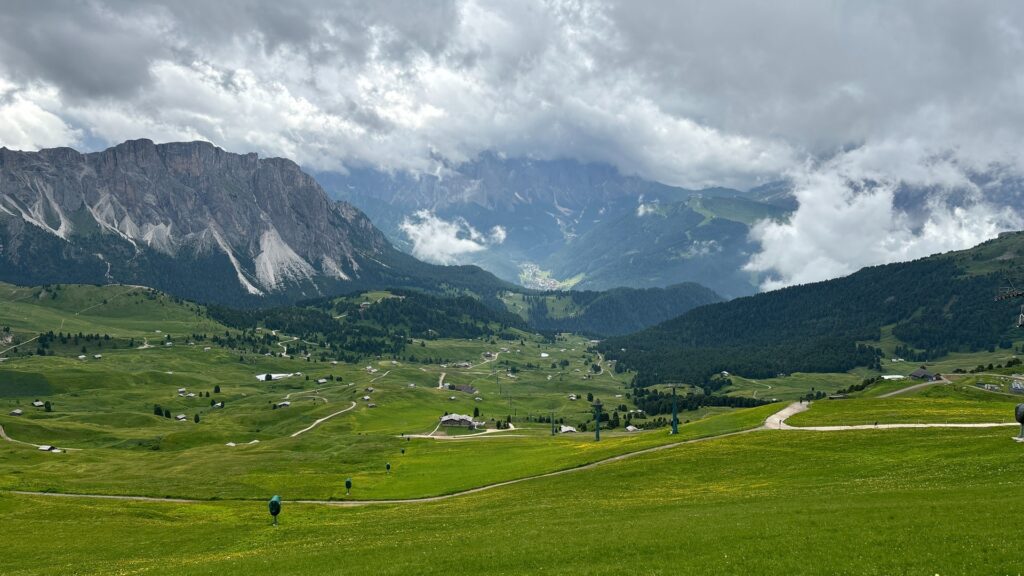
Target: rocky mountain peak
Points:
(120, 209)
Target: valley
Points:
(186, 485)
(529, 287)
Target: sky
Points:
(851, 101)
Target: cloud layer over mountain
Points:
(851, 100)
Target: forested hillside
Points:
(617, 311)
(356, 326)
(936, 305)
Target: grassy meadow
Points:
(921, 501)
(869, 502)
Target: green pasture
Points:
(867, 502)
(941, 403)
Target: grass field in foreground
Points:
(866, 502)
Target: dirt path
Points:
(381, 376)
(776, 421)
(440, 381)
(3, 435)
(354, 503)
(760, 384)
(487, 432)
(913, 388)
(283, 345)
(21, 344)
(492, 359)
(125, 293)
(145, 344)
(322, 420)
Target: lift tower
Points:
(1012, 293)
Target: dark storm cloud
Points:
(86, 49)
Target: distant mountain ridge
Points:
(572, 224)
(208, 225)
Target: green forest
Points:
(933, 304)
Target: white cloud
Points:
(693, 94)
(849, 216)
(444, 242)
(28, 120)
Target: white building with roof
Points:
(460, 421)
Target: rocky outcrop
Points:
(140, 211)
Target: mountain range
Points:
(567, 224)
(209, 225)
(196, 221)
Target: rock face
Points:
(186, 217)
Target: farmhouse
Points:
(893, 377)
(284, 404)
(16, 412)
(268, 377)
(631, 428)
(81, 356)
(922, 374)
(97, 356)
(1017, 386)
(38, 403)
(181, 417)
(366, 398)
(563, 429)
(321, 381)
(181, 390)
(48, 448)
(459, 421)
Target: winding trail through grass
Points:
(913, 388)
(776, 421)
(3, 434)
(20, 344)
(322, 420)
(354, 503)
(760, 384)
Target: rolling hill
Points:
(932, 306)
